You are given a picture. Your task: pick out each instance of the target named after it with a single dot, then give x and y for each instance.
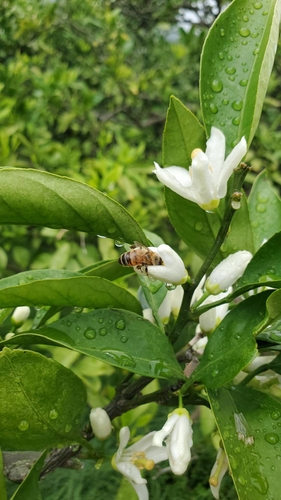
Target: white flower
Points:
(178, 434)
(211, 319)
(141, 455)
(228, 271)
(100, 423)
(19, 315)
(172, 269)
(218, 471)
(205, 183)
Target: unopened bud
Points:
(100, 423)
(19, 315)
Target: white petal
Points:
(159, 436)
(143, 444)
(177, 179)
(215, 150)
(208, 320)
(228, 272)
(157, 454)
(129, 470)
(179, 444)
(165, 308)
(141, 490)
(177, 296)
(231, 162)
(167, 274)
(216, 489)
(100, 423)
(203, 181)
(124, 436)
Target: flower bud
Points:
(19, 315)
(228, 272)
(100, 423)
(9, 336)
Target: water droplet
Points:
(237, 105)
(120, 358)
(242, 480)
(53, 414)
(231, 78)
(235, 204)
(225, 102)
(275, 415)
(222, 32)
(213, 108)
(170, 287)
(101, 320)
(230, 71)
(69, 323)
(23, 425)
(258, 5)
(233, 462)
(120, 324)
(245, 19)
(262, 198)
(159, 367)
(254, 35)
(198, 226)
(112, 229)
(103, 331)
(216, 86)
(271, 438)
(124, 339)
(100, 236)
(78, 309)
(90, 333)
(236, 120)
(118, 244)
(243, 83)
(256, 51)
(265, 13)
(215, 373)
(244, 32)
(221, 56)
(259, 482)
(77, 328)
(261, 208)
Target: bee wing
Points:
(137, 244)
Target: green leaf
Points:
(120, 338)
(63, 288)
(254, 468)
(232, 345)
(265, 210)
(38, 198)
(236, 65)
(3, 493)
(110, 270)
(273, 305)
(182, 134)
(44, 402)
(264, 268)
(29, 488)
(240, 235)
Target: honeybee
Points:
(140, 257)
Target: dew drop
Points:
(170, 287)
(198, 226)
(258, 5)
(275, 415)
(230, 70)
(77, 328)
(53, 414)
(124, 339)
(271, 438)
(231, 78)
(215, 373)
(213, 108)
(90, 333)
(244, 42)
(221, 56)
(119, 357)
(236, 120)
(242, 480)
(78, 310)
(68, 323)
(265, 13)
(216, 86)
(23, 425)
(256, 51)
(254, 35)
(67, 428)
(103, 331)
(245, 19)
(222, 32)
(244, 32)
(259, 482)
(112, 229)
(118, 244)
(225, 102)
(101, 320)
(261, 208)
(120, 324)
(237, 105)
(243, 83)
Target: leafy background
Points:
(84, 93)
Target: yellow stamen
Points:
(195, 152)
(144, 463)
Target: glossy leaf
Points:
(232, 345)
(63, 288)
(29, 488)
(44, 402)
(264, 268)
(240, 234)
(110, 270)
(236, 65)
(273, 305)
(265, 210)
(60, 202)
(118, 337)
(182, 134)
(254, 468)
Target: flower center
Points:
(141, 462)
